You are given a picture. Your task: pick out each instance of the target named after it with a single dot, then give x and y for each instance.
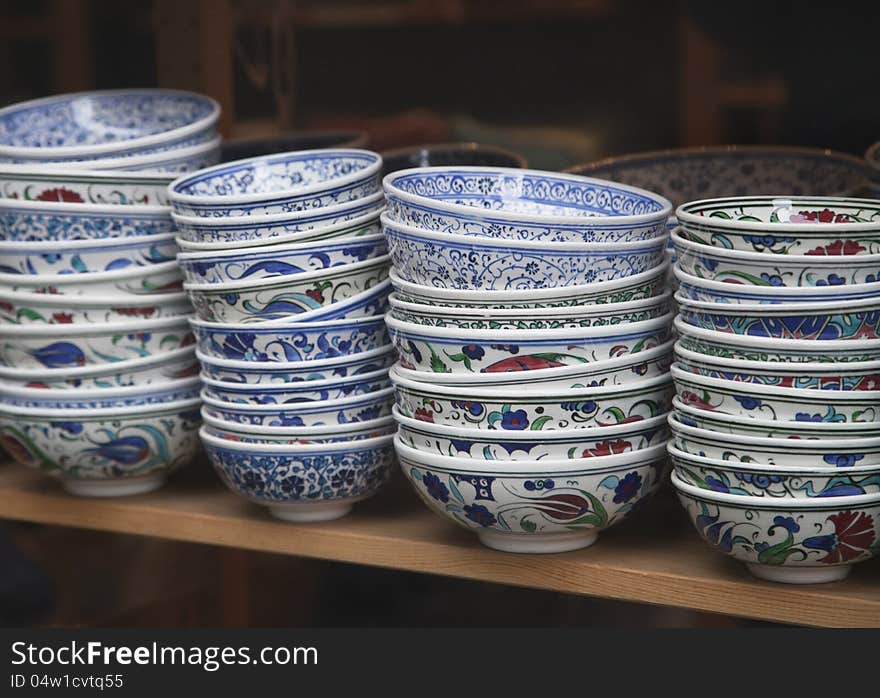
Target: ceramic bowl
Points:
(804, 226)
(278, 260)
(110, 123)
(349, 219)
(454, 350)
(82, 256)
(240, 148)
(544, 408)
(278, 183)
(233, 431)
(731, 424)
(764, 269)
(772, 402)
(830, 320)
(277, 298)
(373, 301)
(620, 370)
(775, 350)
(484, 444)
(44, 221)
(167, 162)
(523, 205)
(269, 372)
(29, 397)
(298, 391)
(104, 453)
(648, 284)
(357, 408)
(448, 260)
(783, 453)
(291, 341)
(534, 506)
(796, 541)
(56, 309)
(723, 292)
(82, 186)
(848, 375)
(149, 370)
(482, 318)
(72, 346)
(687, 174)
(435, 154)
(303, 483)
(754, 480)
(161, 278)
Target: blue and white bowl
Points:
(535, 506)
(148, 280)
(39, 398)
(648, 284)
(297, 391)
(302, 483)
(356, 431)
(772, 402)
(279, 298)
(448, 260)
(104, 124)
(149, 370)
(523, 205)
(291, 340)
(457, 350)
(83, 256)
(833, 320)
(828, 375)
(373, 301)
(270, 372)
(278, 259)
(766, 269)
(69, 346)
(349, 219)
(280, 183)
(756, 480)
(167, 162)
(562, 444)
(357, 408)
(36, 221)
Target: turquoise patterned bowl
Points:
(806, 540)
(535, 506)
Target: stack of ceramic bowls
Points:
(98, 378)
(532, 329)
(776, 430)
(287, 268)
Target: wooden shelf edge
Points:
(396, 532)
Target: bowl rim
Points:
(626, 328)
(90, 414)
(462, 380)
(309, 406)
(527, 295)
(685, 217)
(641, 456)
(344, 305)
(42, 246)
(51, 171)
(460, 210)
(88, 209)
(789, 471)
(237, 364)
(276, 326)
(9, 330)
(294, 386)
(96, 370)
(781, 292)
(129, 300)
(681, 406)
(809, 395)
(89, 278)
(783, 504)
(174, 134)
(323, 430)
(512, 245)
(295, 449)
(232, 200)
(777, 444)
(94, 393)
(268, 282)
(489, 393)
(765, 309)
(800, 368)
(286, 248)
(141, 164)
(773, 260)
(489, 313)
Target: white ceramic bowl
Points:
(795, 541)
(233, 431)
(62, 184)
(282, 394)
(534, 506)
(13, 395)
(543, 408)
(153, 279)
(167, 162)
(303, 483)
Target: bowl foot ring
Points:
(537, 543)
(120, 487)
(306, 512)
(799, 575)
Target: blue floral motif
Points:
(480, 515)
(514, 420)
(748, 402)
(760, 480)
(473, 408)
(627, 488)
(473, 351)
(435, 487)
(831, 280)
(786, 522)
(843, 460)
(772, 279)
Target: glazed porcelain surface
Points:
(148, 280)
(233, 431)
(82, 186)
(296, 392)
(46, 307)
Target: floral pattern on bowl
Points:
(49, 308)
(297, 392)
(46, 183)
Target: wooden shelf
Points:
(656, 558)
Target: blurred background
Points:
(559, 81)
